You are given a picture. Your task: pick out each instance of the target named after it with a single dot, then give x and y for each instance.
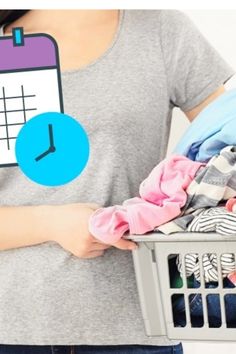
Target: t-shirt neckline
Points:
(101, 57)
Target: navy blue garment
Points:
(84, 349)
(213, 307)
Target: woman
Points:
(122, 74)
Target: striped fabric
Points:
(214, 183)
(209, 264)
(210, 220)
(217, 220)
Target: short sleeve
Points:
(194, 69)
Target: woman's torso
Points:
(48, 296)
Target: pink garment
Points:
(162, 197)
(232, 277)
(231, 205)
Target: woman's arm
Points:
(196, 110)
(19, 226)
(65, 224)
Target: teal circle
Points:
(52, 149)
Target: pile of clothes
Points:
(193, 190)
(188, 190)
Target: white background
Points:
(219, 27)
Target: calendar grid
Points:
(23, 102)
(20, 96)
(18, 110)
(10, 124)
(6, 112)
(9, 138)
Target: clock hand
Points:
(51, 139)
(51, 147)
(45, 153)
(48, 151)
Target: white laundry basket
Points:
(151, 262)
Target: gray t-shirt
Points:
(157, 60)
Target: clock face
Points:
(52, 149)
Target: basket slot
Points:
(220, 284)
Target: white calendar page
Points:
(24, 94)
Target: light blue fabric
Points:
(212, 130)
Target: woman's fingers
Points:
(125, 245)
(99, 246)
(122, 244)
(98, 249)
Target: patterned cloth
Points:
(217, 220)
(211, 220)
(214, 183)
(209, 263)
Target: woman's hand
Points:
(123, 244)
(68, 226)
(65, 224)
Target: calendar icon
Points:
(30, 84)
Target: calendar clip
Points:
(18, 36)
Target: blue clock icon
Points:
(52, 149)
